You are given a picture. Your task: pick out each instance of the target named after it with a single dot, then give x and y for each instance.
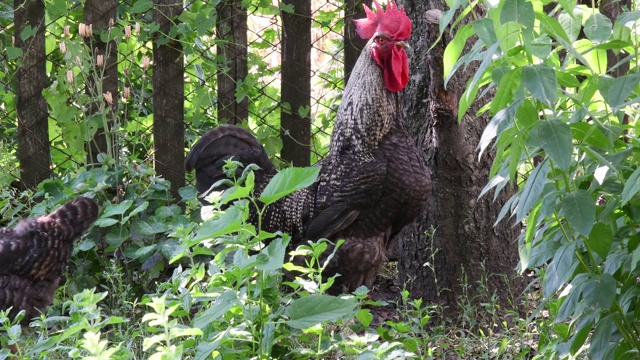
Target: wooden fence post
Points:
(98, 14)
(33, 126)
(296, 83)
(231, 28)
(168, 97)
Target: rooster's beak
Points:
(402, 44)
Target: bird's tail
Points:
(71, 220)
(209, 154)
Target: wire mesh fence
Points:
(107, 93)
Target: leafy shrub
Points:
(565, 115)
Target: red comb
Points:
(393, 22)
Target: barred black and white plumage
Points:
(35, 253)
(372, 183)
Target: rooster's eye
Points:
(381, 40)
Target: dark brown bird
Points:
(373, 181)
(35, 253)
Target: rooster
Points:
(373, 181)
(35, 253)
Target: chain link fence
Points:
(137, 82)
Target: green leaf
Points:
(631, 186)
(579, 338)
(150, 227)
(311, 310)
(600, 292)
(508, 86)
(220, 307)
(105, 222)
(585, 51)
(552, 27)
(287, 181)
(13, 52)
(580, 211)
(616, 91)
(600, 239)
(485, 31)
(541, 82)
(454, 48)
(532, 190)
(140, 6)
(520, 11)
(571, 25)
(590, 134)
(117, 209)
(598, 28)
(558, 143)
(601, 337)
(274, 254)
(227, 223)
(560, 269)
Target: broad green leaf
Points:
(569, 307)
(598, 28)
(600, 292)
(520, 11)
(541, 82)
(571, 25)
(287, 181)
(580, 211)
(273, 254)
(497, 124)
(552, 27)
(140, 6)
(532, 192)
(560, 269)
(220, 307)
(227, 223)
(601, 337)
(631, 187)
(508, 86)
(579, 338)
(117, 209)
(485, 31)
(311, 310)
(454, 48)
(600, 239)
(105, 222)
(150, 226)
(13, 52)
(557, 142)
(590, 134)
(469, 95)
(616, 91)
(585, 51)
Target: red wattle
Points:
(396, 70)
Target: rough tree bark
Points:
(98, 14)
(232, 28)
(296, 83)
(168, 97)
(465, 245)
(33, 113)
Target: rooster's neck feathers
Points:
(367, 111)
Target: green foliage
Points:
(565, 118)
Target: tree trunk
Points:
(98, 14)
(353, 44)
(33, 113)
(453, 243)
(296, 83)
(232, 28)
(168, 97)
